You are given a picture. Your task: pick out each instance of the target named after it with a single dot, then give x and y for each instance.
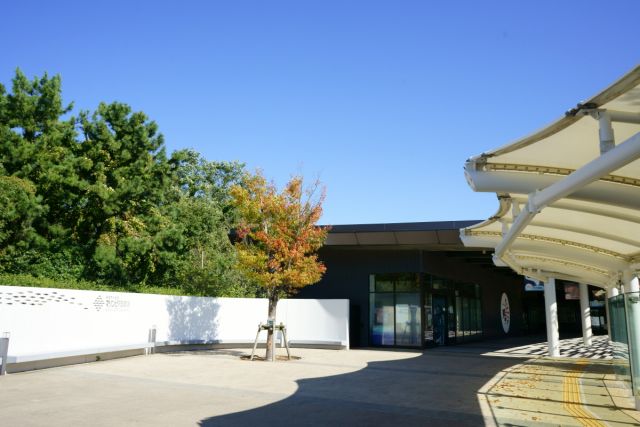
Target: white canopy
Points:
(569, 194)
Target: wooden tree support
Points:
(271, 327)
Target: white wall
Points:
(46, 323)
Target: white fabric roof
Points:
(592, 234)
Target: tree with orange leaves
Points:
(277, 237)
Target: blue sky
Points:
(383, 101)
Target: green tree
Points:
(198, 178)
(37, 146)
(278, 238)
(207, 266)
(94, 196)
(127, 178)
(19, 208)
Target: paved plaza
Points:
(470, 385)
(600, 348)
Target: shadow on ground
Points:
(426, 388)
(467, 385)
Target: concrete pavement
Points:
(448, 386)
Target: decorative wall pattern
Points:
(39, 297)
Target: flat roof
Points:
(435, 235)
(403, 226)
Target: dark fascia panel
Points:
(449, 237)
(417, 237)
(376, 238)
(420, 234)
(403, 226)
(341, 239)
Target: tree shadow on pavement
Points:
(464, 385)
(429, 388)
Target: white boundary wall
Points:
(47, 323)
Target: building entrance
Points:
(440, 328)
(451, 311)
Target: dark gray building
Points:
(416, 285)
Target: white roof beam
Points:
(612, 193)
(598, 210)
(608, 162)
(584, 231)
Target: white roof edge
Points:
(622, 85)
(504, 201)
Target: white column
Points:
(633, 324)
(611, 292)
(551, 312)
(585, 313)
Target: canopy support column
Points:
(551, 314)
(611, 292)
(585, 313)
(634, 284)
(632, 303)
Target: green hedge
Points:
(43, 282)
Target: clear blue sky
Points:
(383, 101)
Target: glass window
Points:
(465, 316)
(459, 330)
(408, 323)
(383, 282)
(473, 328)
(428, 319)
(382, 314)
(408, 283)
(479, 315)
(395, 317)
(396, 310)
(439, 284)
(467, 308)
(452, 323)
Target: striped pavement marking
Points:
(573, 400)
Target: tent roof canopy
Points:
(586, 230)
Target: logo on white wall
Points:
(111, 303)
(505, 313)
(98, 303)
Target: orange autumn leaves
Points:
(277, 233)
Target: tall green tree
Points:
(127, 179)
(95, 196)
(37, 146)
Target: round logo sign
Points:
(505, 313)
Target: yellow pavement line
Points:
(572, 399)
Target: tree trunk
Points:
(273, 303)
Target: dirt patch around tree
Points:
(279, 358)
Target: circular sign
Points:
(505, 313)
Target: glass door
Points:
(440, 320)
(395, 318)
